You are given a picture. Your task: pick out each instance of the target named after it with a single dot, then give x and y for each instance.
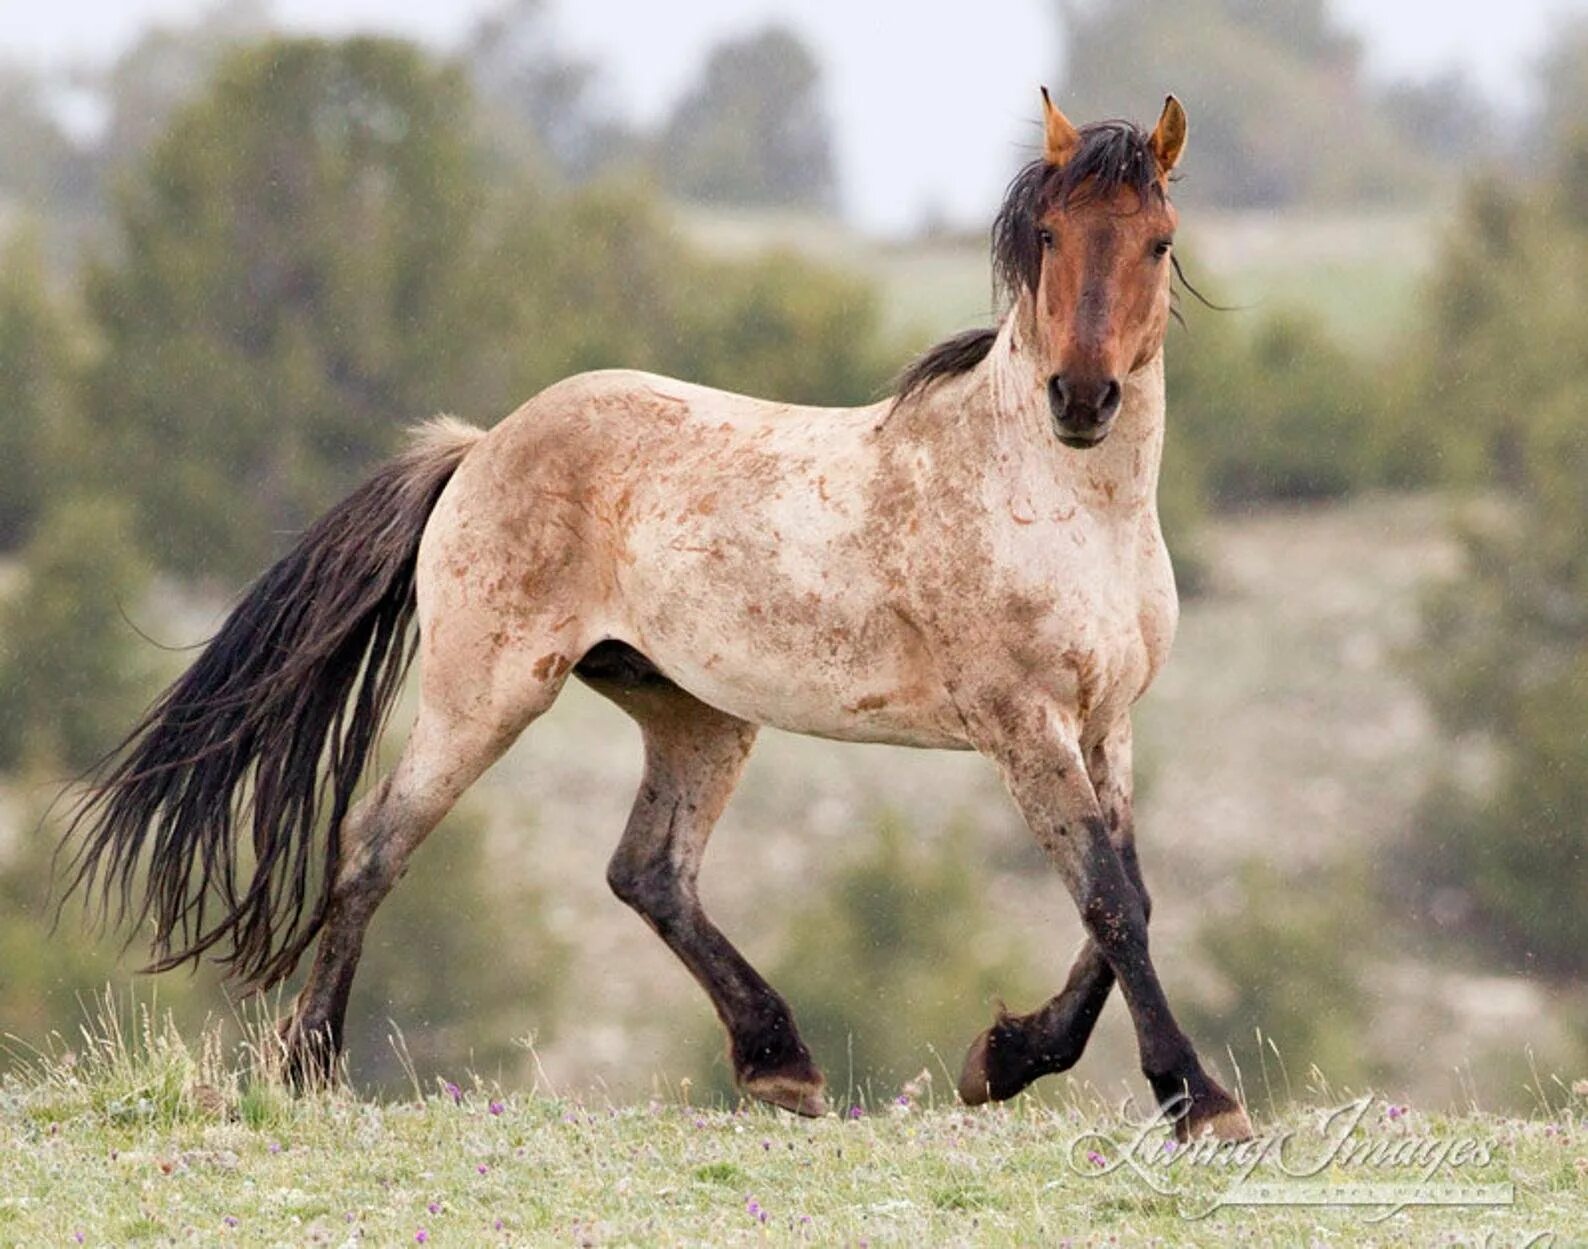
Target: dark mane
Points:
(949, 358)
(1112, 156)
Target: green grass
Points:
(134, 1138)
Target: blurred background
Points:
(243, 245)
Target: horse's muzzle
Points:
(1083, 410)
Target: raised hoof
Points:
(798, 1093)
(975, 1083)
(1000, 1064)
(1214, 1114)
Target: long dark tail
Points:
(297, 682)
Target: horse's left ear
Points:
(1168, 140)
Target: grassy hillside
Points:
(135, 1138)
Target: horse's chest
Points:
(1090, 633)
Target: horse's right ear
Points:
(1061, 138)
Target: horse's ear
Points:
(1168, 140)
(1060, 137)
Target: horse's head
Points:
(1082, 243)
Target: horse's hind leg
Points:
(693, 758)
(444, 755)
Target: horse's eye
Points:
(1160, 249)
(1046, 235)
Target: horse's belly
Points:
(825, 655)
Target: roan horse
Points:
(973, 564)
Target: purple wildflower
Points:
(421, 1236)
(855, 1112)
(496, 1107)
(78, 1236)
(434, 1207)
(454, 1092)
(753, 1208)
(231, 1220)
(275, 1147)
(482, 1168)
(1095, 1158)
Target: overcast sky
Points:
(929, 99)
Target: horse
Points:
(973, 563)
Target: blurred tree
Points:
(753, 129)
(288, 292)
(70, 680)
(1279, 110)
(35, 365)
(168, 66)
(531, 87)
(1563, 83)
(901, 957)
(601, 279)
(1445, 116)
(1499, 851)
(40, 166)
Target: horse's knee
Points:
(649, 886)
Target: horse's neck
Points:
(996, 420)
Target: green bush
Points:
(1271, 411)
(71, 680)
(1504, 659)
(35, 362)
(1288, 960)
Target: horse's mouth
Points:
(1081, 440)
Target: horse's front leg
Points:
(1019, 1049)
(1043, 765)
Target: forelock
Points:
(1111, 156)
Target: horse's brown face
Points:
(1102, 296)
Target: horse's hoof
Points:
(1000, 1064)
(1215, 1114)
(798, 1094)
(975, 1083)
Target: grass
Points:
(134, 1137)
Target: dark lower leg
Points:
(693, 758)
(312, 1035)
(381, 835)
(1020, 1049)
(769, 1058)
(1117, 924)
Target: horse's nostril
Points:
(1058, 394)
(1110, 399)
